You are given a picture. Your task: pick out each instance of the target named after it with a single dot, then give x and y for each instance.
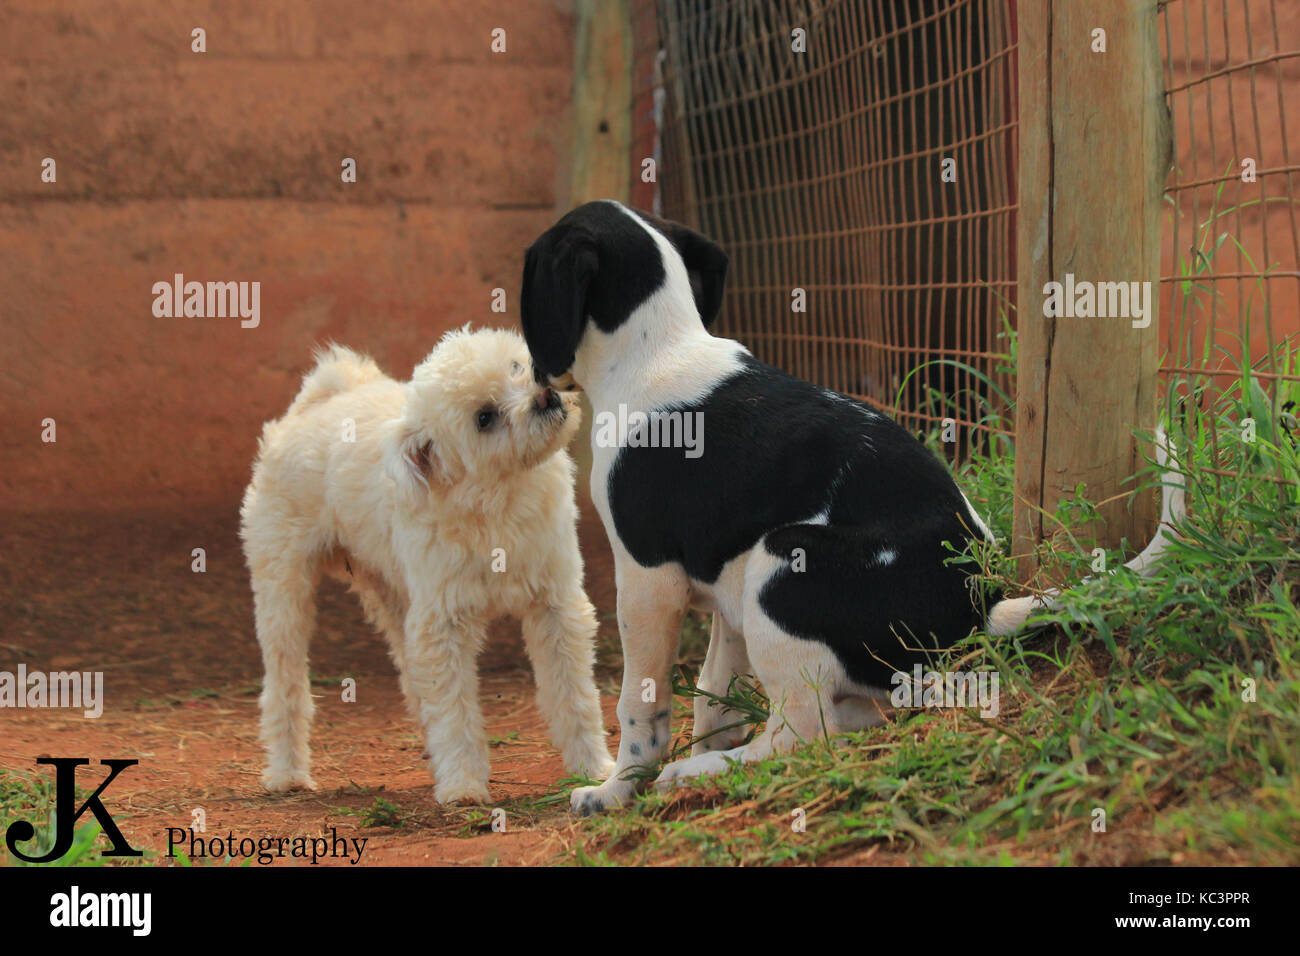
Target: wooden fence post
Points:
(602, 102)
(602, 131)
(1094, 154)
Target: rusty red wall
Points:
(225, 166)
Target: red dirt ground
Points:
(181, 677)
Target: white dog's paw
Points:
(280, 781)
(685, 771)
(611, 794)
(465, 792)
(596, 764)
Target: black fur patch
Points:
(779, 451)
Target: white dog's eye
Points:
(515, 368)
(486, 416)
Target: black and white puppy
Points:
(819, 532)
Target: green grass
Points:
(381, 813)
(31, 798)
(1131, 702)
(1169, 704)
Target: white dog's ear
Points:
(411, 461)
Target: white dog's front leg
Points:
(560, 639)
(651, 604)
(442, 666)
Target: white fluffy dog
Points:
(445, 502)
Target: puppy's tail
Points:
(1009, 616)
(337, 370)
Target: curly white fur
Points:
(398, 489)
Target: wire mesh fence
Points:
(858, 161)
(1231, 267)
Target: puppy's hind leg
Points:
(385, 616)
(559, 639)
(801, 682)
(717, 727)
(870, 708)
(284, 607)
(801, 677)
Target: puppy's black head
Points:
(600, 263)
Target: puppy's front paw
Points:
(608, 796)
(281, 781)
(595, 763)
(462, 793)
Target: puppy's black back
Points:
(835, 486)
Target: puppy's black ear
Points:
(553, 303)
(706, 264)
